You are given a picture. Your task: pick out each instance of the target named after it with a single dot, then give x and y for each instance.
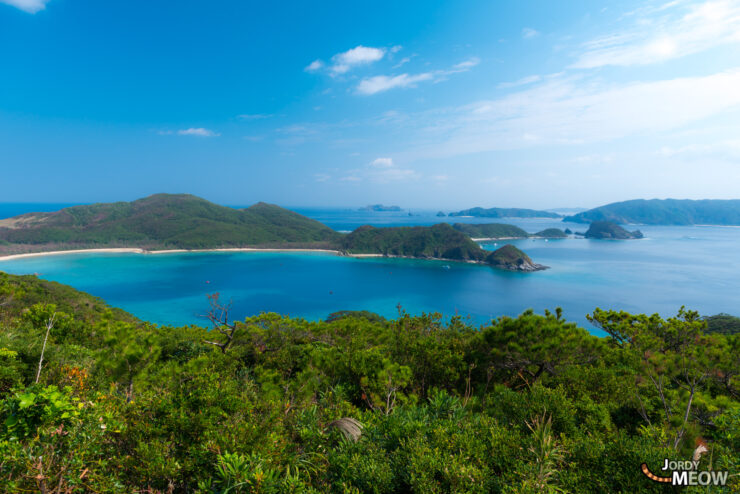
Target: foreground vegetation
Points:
(354, 404)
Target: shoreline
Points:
(137, 250)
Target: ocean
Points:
(695, 266)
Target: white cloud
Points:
(680, 30)
(528, 32)
(382, 171)
(314, 66)
(396, 49)
(381, 83)
(30, 6)
(521, 82)
(571, 111)
(322, 177)
(382, 163)
(467, 64)
(199, 131)
(401, 62)
(359, 55)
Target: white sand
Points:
(171, 251)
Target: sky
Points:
(424, 104)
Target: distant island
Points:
(184, 222)
(664, 212)
(441, 214)
(380, 207)
(610, 230)
(505, 213)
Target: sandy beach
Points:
(170, 251)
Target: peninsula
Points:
(180, 222)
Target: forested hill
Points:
(440, 241)
(664, 212)
(505, 213)
(356, 403)
(160, 221)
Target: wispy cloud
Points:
(572, 111)
(528, 33)
(521, 82)
(30, 6)
(672, 31)
(314, 66)
(197, 131)
(381, 83)
(402, 62)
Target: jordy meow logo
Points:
(685, 473)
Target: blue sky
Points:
(422, 104)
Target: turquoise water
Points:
(694, 266)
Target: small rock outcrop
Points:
(512, 259)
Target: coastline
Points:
(136, 250)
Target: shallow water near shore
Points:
(694, 266)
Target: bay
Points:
(695, 266)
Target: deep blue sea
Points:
(695, 266)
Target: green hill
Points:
(722, 323)
(490, 230)
(161, 221)
(610, 230)
(438, 242)
(664, 212)
(505, 213)
(433, 242)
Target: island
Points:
(441, 214)
(505, 213)
(440, 241)
(664, 212)
(380, 208)
(610, 230)
(165, 222)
